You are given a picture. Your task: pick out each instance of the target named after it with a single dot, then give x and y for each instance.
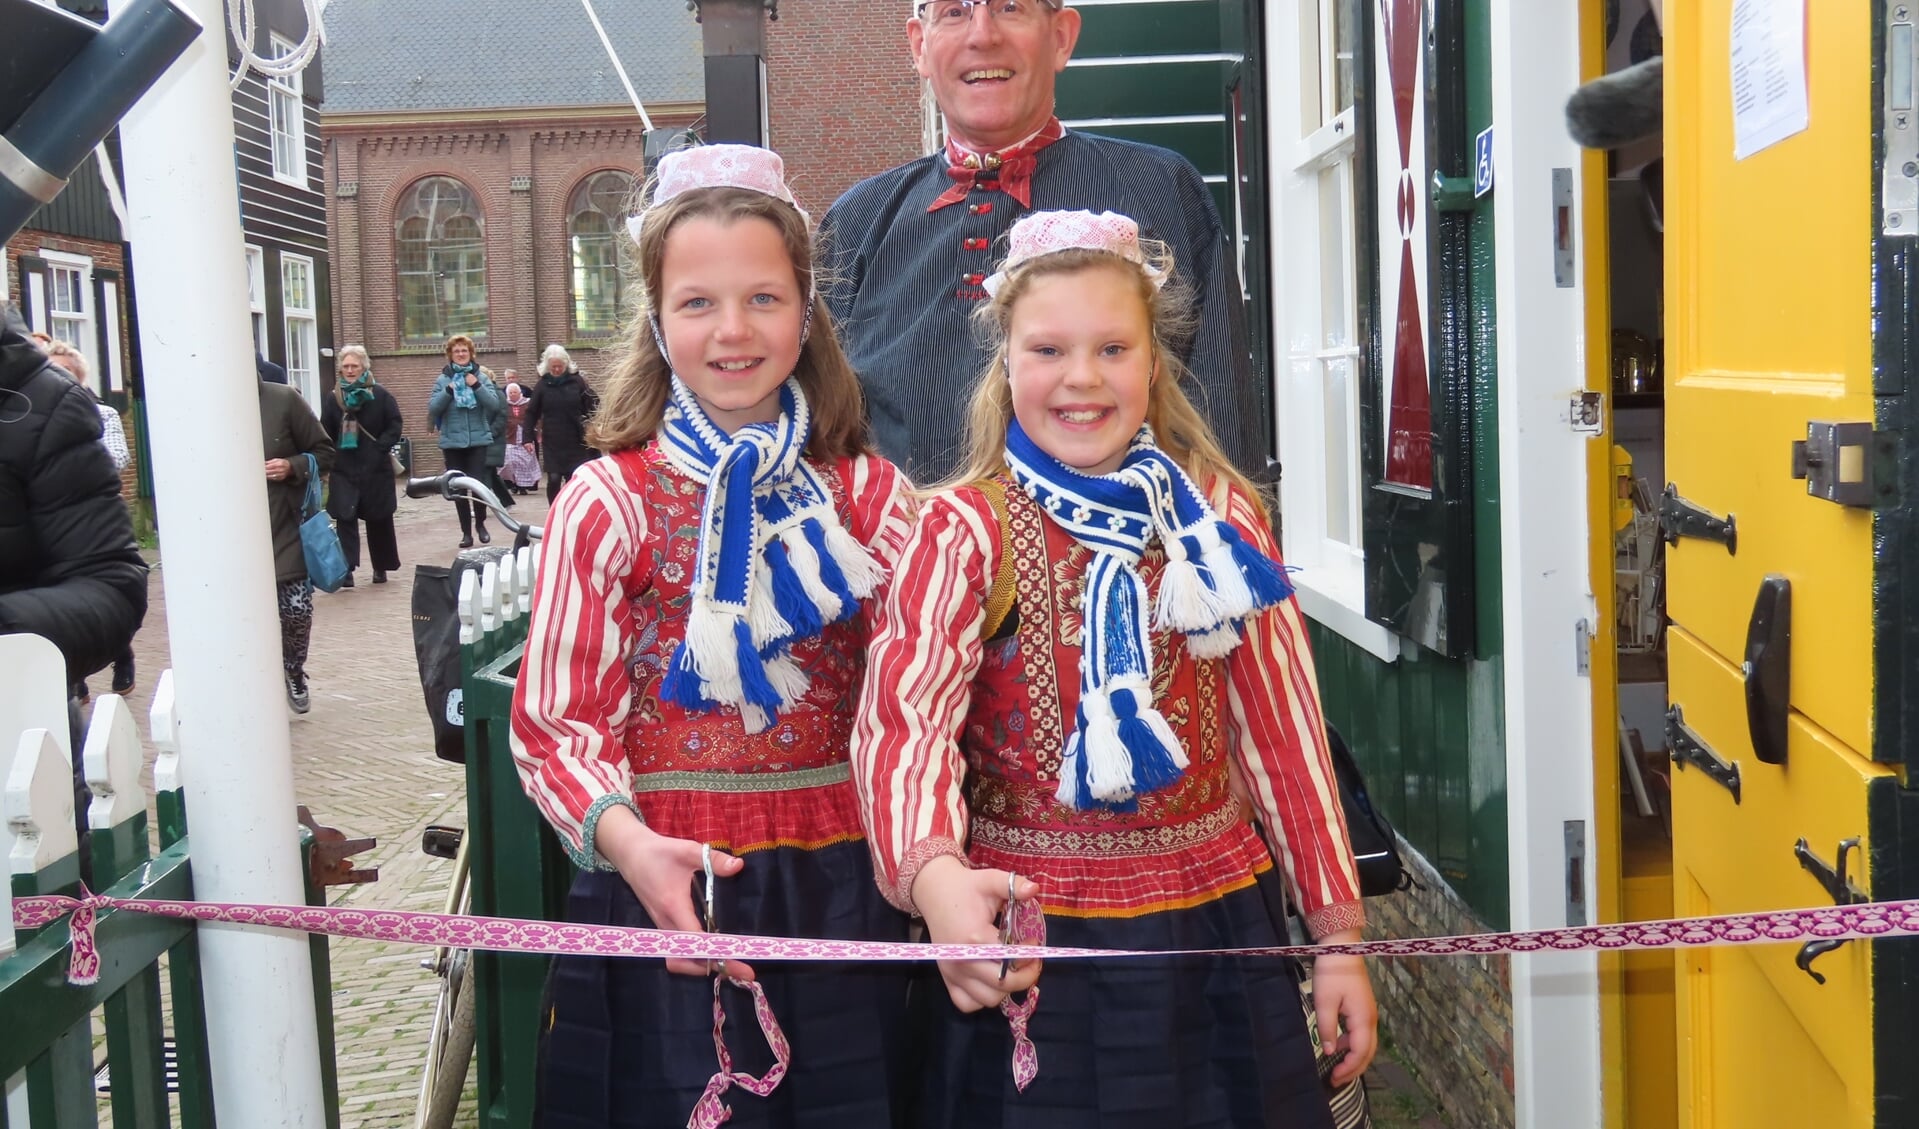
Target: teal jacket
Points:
(464, 427)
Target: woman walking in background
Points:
(522, 471)
(461, 412)
(363, 420)
(561, 404)
(289, 433)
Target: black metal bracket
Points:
(1837, 886)
(1688, 748)
(1680, 518)
(1848, 464)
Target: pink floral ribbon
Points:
(1025, 925)
(709, 1112)
(518, 935)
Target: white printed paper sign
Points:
(1768, 73)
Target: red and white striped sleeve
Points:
(574, 693)
(907, 764)
(881, 501)
(1279, 738)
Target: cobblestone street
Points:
(363, 762)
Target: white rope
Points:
(645, 121)
(240, 21)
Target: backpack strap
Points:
(1000, 596)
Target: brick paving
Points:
(363, 762)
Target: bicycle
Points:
(450, 1040)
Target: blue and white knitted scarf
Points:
(1121, 746)
(775, 564)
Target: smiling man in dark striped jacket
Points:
(911, 246)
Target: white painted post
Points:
(33, 695)
(523, 565)
(165, 730)
(490, 598)
(112, 756)
(223, 627)
(469, 606)
(1547, 587)
(509, 590)
(38, 805)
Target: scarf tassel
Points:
(863, 575)
(788, 592)
(831, 574)
(1265, 578)
(1072, 770)
(756, 684)
(1109, 763)
(1155, 752)
(1186, 603)
(766, 613)
(804, 559)
(1216, 643)
(705, 667)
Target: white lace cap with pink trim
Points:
(718, 166)
(1045, 233)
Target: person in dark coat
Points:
(69, 569)
(497, 421)
(289, 432)
(561, 404)
(267, 370)
(461, 410)
(363, 420)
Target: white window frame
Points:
(302, 324)
(257, 296)
(289, 167)
(84, 320)
(1305, 144)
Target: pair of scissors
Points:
(708, 919)
(1006, 923)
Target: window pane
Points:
(1341, 441)
(1335, 259)
(1344, 16)
(440, 260)
(296, 285)
(596, 274)
(1310, 97)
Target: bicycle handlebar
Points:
(452, 484)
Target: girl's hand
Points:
(1343, 997)
(661, 872)
(959, 906)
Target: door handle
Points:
(1768, 668)
(1835, 883)
(1679, 517)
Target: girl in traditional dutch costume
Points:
(698, 628)
(1088, 642)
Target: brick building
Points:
(843, 100)
(488, 197)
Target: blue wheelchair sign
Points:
(1483, 163)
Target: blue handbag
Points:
(326, 562)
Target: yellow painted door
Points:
(1769, 327)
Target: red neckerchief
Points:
(1014, 167)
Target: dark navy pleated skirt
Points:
(1172, 1043)
(629, 1045)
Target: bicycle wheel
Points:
(451, 1052)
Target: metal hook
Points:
(1843, 892)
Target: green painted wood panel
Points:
(1429, 733)
(1174, 27)
(1142, 90)
(1203, 144)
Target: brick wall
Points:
(845, 101)
(1450, 1018)
(523, 173)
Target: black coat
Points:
(69, 570)
(559, 408)
(361, 485)
(290, 430)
